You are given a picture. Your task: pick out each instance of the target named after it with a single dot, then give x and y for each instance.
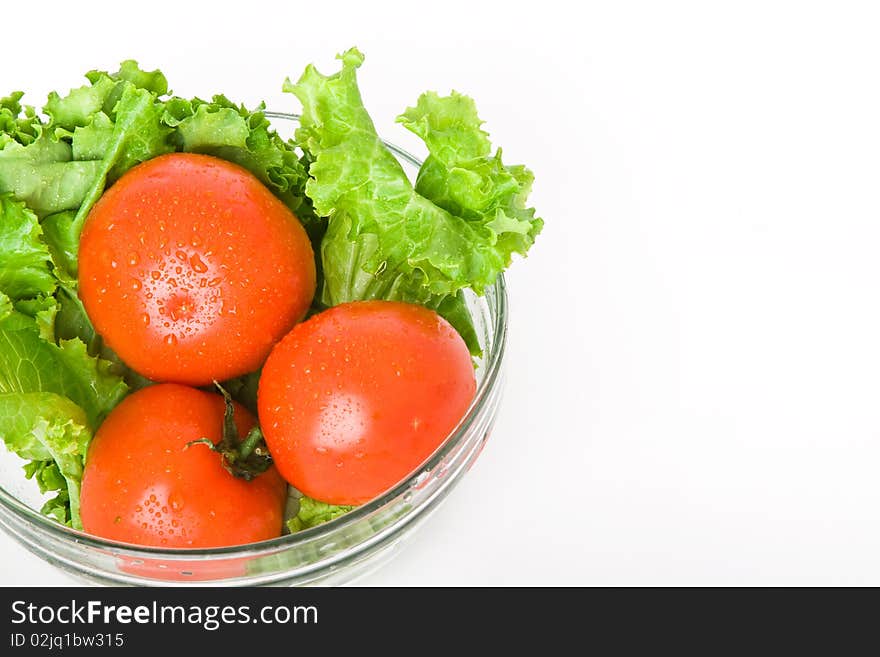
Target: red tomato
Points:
(143, 485)
(190, 269)
(352, 400)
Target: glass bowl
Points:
(336, 552)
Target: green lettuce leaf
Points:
(129, 71)
(62, 239)
(43, 175)
(79, 106)
(382, 235)
(52, 398)
(18, 122)
(52, 432)
(133, 134)
(29, 363)
(461, 176)
(49, 479)
(42, 310)
(385, 239)
(6, 308)
(234, 133)
(25, 268)
(95, 134)
(312, 513)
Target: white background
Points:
(694, 363)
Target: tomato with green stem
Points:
(149, 481)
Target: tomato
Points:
(143, 485)
(352, 400)
(191, 269)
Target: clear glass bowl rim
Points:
(494, 359)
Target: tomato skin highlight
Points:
(143, 485)
(355, 398)
(191, 269)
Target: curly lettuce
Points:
(388, 240)
(232, 132)
(312, 513)
(462, 176)
(53, 394)
(24, 269)
(52, 433)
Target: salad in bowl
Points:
(235, 356)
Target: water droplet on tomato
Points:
(145, 318)
(133, 258)
(170, 339)
(176, 502)
(155, 275)
(214, 282)
(198, 264)
(135, 284)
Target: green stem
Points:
(250, 443)
(246, 459)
